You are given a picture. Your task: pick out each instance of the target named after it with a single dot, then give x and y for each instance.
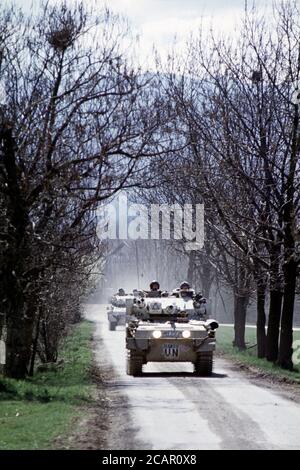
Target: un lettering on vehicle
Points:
(171, 351)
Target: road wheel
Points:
(134, 363)
(112, 326)
(204, 364)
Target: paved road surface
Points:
(172, 409)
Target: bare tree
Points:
(77, 121)
(235, 111)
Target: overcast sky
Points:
(158, 21)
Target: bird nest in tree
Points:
(63, 38)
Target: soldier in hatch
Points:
(121, 292)
(154, 290)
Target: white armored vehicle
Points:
(116, 313)
(169, 329)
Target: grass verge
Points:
(249, 356)
(33, 412)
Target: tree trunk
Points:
(48, 350)
(18, 343)
(2, 324)
(34, 346)
(240, 313)
(191, 268)
(275, 303)
(206, 278)
(19, 318)
(290, 257)
(274, 325)
(205, 270)
(286, 334)
(261, 321)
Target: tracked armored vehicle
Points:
(116, 312)
(169, 330)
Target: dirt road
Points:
(169, 408)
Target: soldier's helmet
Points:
(185, 286)
(154, 285)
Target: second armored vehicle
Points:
(116, 312)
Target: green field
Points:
(35, 411)
(224, 346)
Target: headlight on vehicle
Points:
(156, 334)
(186, 334)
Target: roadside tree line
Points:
(75, 118)
(236, 106)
